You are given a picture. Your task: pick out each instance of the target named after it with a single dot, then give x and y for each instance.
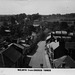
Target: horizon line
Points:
(38, 13)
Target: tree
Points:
(36, 16)
(63, 26)
(13, 20)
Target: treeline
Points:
(21, 25)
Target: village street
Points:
(40, 58)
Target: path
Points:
(40, 58)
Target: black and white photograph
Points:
(37, 34)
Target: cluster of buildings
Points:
(13, 54)
(63, 50)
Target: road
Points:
(40, 58)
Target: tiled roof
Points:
(65, 59)
(12, 54)
(22, 47)
(19, 48)
(59, 52)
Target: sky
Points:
(44, 7)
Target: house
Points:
(23, 49)
(12, 57)
(60, 50)
(64, 62)
(61, 33)
(2, 59)
(36, 23)
(70, 46)
(70, 21)
(18, 47)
